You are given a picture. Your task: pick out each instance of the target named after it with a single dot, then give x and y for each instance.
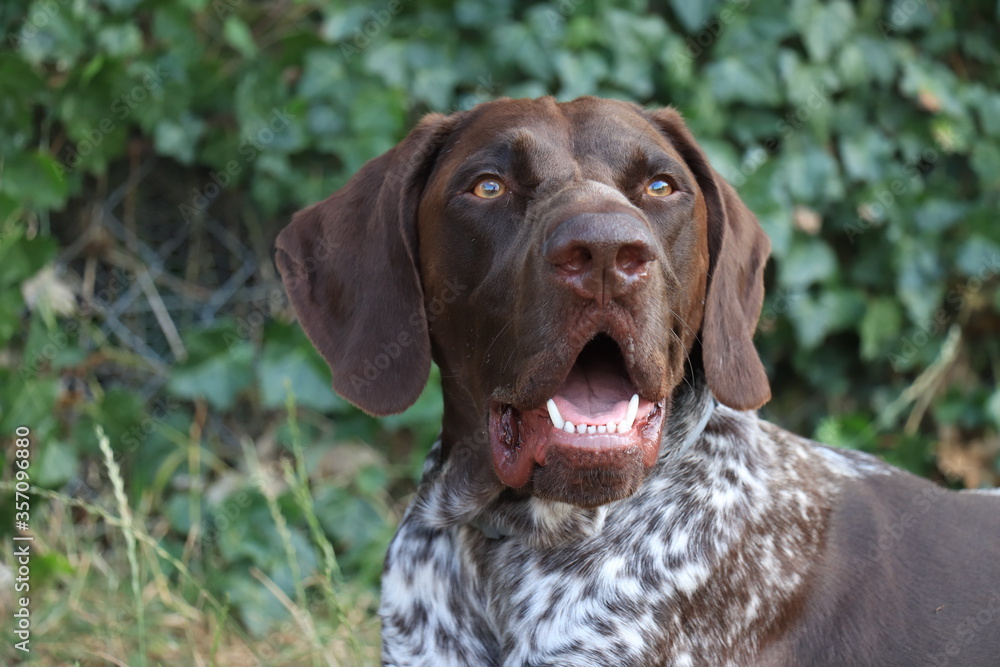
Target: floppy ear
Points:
(738, 250)
(349, 266)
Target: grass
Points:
(107, 588)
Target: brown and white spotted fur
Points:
(540, 251)
(712, 562)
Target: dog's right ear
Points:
(349, 265)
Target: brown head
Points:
(559, 262)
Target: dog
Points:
(603, 492)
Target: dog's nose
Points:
(600, 256)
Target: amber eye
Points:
(489, 188)
(659, 187)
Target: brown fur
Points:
(752, 545)
(404, 231)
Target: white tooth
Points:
(633, 409)
(591, 428)
(611, 427)
(568, 427)
(603, 428)
(581, 428)
(554, 415)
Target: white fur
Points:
(566, 586)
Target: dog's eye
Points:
(659, 187)
(489, 188)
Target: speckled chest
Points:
(692, 570)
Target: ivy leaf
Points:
(21, 258)
(219, 367)
(864, 153)
(694, 15)
(993, 408)
(35, 178)
(310, 382)
(979, 257)
(986, 164)
(57, 464)
(808, 261)
(238, 36)
(918, 282)
(939, 214)
(815, 317)
(739, 79)
(179, 137)
(881, 324)
(809, 171)
(824, 26)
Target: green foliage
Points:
(865, 136)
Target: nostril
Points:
(632, 259)
(574, 260)
(599, 256)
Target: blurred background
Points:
(150, 151)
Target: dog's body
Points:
(747, 545)
(603, 493)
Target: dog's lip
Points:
(522, 440)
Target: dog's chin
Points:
(590, 443)
(564, 480)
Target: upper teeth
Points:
(554, 415)
(611, 427)
(633, 408)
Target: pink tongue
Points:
(594, 394)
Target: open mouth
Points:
(596, 419)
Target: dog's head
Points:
(560, 263)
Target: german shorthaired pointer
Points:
(603, 492)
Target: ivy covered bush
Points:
(150, 150)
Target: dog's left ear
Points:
(738, 250)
